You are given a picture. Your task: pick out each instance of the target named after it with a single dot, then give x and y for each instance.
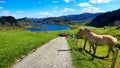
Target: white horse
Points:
(101, 40)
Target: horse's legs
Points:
(85, 44)
(110, 49)
(93, 48)
(90, 47)
(108, 53)
(94, 51)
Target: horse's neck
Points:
(89, 34)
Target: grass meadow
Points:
(15, 44)
(82, 59)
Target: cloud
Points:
(91, 10)
(67, 10)
(1, 7)
(19, 12)
(2, 1)
(67, 1)
(43, 15)
(5, 13)
(85, 4)
(100, 1)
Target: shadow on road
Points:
(64, 50)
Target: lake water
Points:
(48, 27)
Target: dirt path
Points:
(54, 54)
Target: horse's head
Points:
(83, 32)
(80, 32)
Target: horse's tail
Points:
(115, 40)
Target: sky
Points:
(54, 8)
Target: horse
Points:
(101, 40)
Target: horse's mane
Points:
(87, 30)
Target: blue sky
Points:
(51, 8)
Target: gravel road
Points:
(54, 54)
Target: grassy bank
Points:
(17, 43)
(82, 59)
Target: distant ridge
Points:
(36, 20)
(62, 20)
(8, 20)
(71, 19)
(83, 16)
(106, 19)
(55, 20)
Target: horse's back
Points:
(102, 39)
(110, 39)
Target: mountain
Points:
(26, 21)
(55, 20)
(36, 19)
(106, 19)
(71, 19)
(82, 17)
(8, 20)
(62, 20)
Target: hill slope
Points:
(106, 19)
(26, 21)
(71, 19)
(83, 17)
(55, 20)
(8, 20)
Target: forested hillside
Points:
(106, 19)
(8, 20)
(25, 21)
(55, 20)
(83, 16)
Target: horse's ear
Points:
(87, 30)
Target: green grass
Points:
(17, 43)
(82, 59)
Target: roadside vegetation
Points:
(15, 44)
